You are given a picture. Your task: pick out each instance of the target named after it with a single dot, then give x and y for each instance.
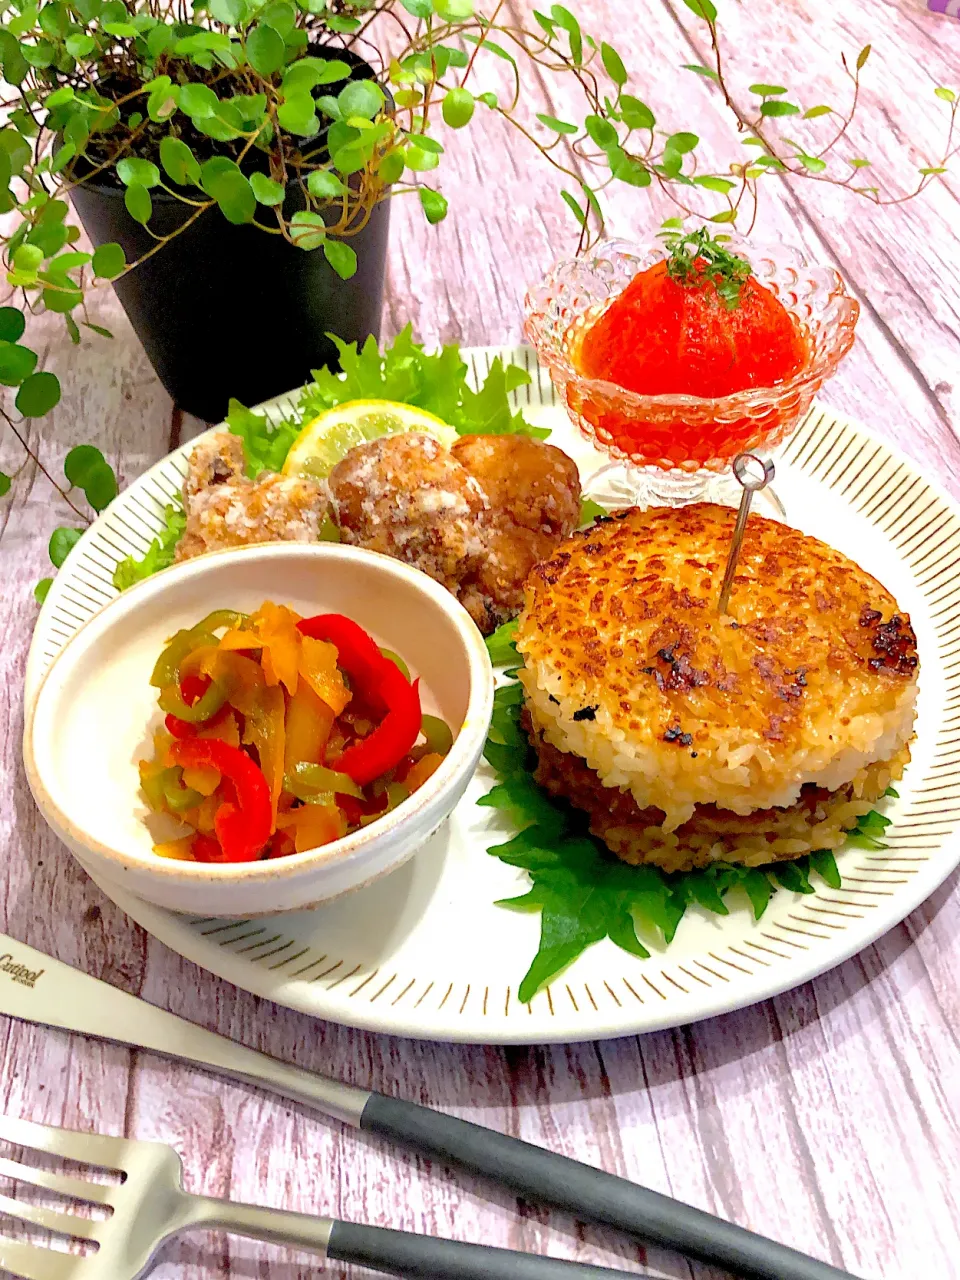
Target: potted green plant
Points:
(233, 165)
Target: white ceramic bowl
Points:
(93, 715)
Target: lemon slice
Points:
(324, 441)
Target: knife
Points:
(36, 988)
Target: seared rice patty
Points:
(809, 679)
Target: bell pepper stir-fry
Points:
(283, 733)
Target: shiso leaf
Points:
(584, 893)
(825, 865)
(500, 645)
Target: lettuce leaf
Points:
(435, 381)
(159, 555)
(404, 372)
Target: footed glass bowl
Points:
(670, 447)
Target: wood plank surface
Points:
(826, 1117)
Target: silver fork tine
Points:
(31, 1263)
(77, 1188)
(65, 1224)
(87, 1148)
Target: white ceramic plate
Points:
(425, 952)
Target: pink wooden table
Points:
(827, 1117)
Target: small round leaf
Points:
(27, 257)
(613, 65)
(434, 204)
(138, 202)
(601, 131)
(16, 363)
(420, 160)
(636, 114)
(100, 487)
(341, 257)
(297, 115)
(779, 108)
(5, 483)
(62, 542)
(457, 108)
(391, 167)
(266, 51)
(454, 10)
(41, 590)
(266, 190)
(179, 163)
(108, 261)
(325, 185)
(308, 230)
(38, 395)
(230, 12)
(12, 324)
(281, 15)
(79, 45)
(145, 172)
(80, 461)
(558, 126)
(360, 98)
(198, 101)
(222, 180)
(681, 143)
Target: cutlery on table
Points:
(150, 1207)
(37, 988)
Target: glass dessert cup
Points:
(669, 450)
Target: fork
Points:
(150, 1207)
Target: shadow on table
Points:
(470, 1078)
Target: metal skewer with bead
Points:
(753, 474)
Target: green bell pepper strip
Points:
(438, 734)
(397, 662)
(208, 704)
(230, 619)
(178, 797)
(306, 780)
(167, 669)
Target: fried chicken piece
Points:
(534, 493)
(215, 459)
(476, 518)
(406, 497)
(225, 509)
(530, 483)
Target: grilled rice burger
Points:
(691, 736)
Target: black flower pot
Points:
(226, 310)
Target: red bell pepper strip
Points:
(357, 651)
(382, 685)
(393, 737)
(206, 849)
(179, 728)
(244, 828)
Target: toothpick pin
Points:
(754, 474)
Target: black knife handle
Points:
(427, 1258)
(543, 1177)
